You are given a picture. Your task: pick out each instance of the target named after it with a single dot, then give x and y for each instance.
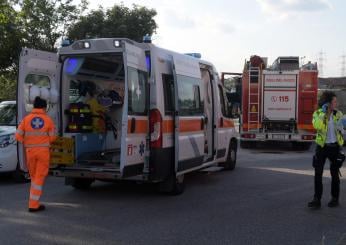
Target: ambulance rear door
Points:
(189, 119)
(40, 69)
(135, 123)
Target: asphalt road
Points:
(263, 201)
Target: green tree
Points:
(8, 85)
(10, 36)
(118, 21)
(44, 21)
(33, 24)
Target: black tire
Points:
(231, 157)
(20, 176)
(172, 185)
(81, 183)
(247, 144)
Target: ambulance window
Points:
(137, 81)
(189, 96)
(168, 93)
(37, 80)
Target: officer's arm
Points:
(319, 121)
(20, 131)
(52, 132)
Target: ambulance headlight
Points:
(116, 43)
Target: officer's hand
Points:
(325, 107)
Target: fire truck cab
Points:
(132, 111)
(278, 101)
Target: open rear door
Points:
(135, 120)
(41, 69)
(189, 114)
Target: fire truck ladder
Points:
(254, 92)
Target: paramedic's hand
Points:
(325, 107)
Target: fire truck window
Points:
(189, 100)
(137, 81)
(168, 92)
(37, 80)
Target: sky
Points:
(228, 32)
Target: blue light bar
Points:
(72, 65)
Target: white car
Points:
(8, 144)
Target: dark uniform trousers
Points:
(329, 151)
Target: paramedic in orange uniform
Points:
(37, 132)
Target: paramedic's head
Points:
(328, 97)
(40, 103)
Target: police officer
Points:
(37, 132)
(327, 122)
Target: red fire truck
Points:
(278, 102)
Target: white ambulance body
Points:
(171, 117)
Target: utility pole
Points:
(343, 65)
(321, 60)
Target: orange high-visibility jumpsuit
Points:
(36, 132)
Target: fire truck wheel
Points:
(81, 184)
(172, 185)
(231, 157)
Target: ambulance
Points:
(155, 115)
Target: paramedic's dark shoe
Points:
(40, 208)
(314, 204)
(333, 203)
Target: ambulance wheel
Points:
(81, 183)
(20, 176)
(231, 157)
(172, 185)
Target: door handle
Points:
(133, 125)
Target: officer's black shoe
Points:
(333, 203)
(40, 208)
(314, 204)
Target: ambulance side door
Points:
(40, 69)
(189, 114)
(135, 121)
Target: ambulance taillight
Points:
(155, 128)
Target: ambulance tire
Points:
(20, 176)
(231, 157)
(172, 185)
(81, 183)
